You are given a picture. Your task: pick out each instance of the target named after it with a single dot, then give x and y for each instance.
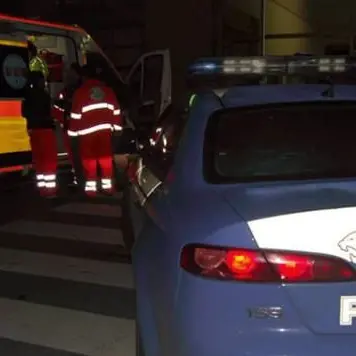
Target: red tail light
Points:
(264, 266)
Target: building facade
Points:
(195, 28)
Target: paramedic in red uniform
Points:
(36, 109)
(61, 110)
(94, 116)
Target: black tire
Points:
(139, 349)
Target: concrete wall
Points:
(241, 31)
(281, 17)
(333, 15)
(189, 27)
(304, 16)
(250, 7)
(285, 17)
(185, 27)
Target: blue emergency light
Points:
(273, 65)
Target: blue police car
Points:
(244, 217)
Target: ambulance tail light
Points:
(266, 266)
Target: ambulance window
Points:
(57, 51)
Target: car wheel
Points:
(139, 349)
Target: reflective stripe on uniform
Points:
(106, 183)
(50, 185)
(49, 177)
(58, 108)
(46, 181)
(117, 127)
(97, 106)
(90, 130)
(40, 183)
(75, 116)
(90, 186)
(50, 181)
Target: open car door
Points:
(149, 83)
(149, 86)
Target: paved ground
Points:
(66, 285)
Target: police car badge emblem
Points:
(348, 244)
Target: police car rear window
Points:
(281, 142)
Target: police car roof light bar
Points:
(273, 65)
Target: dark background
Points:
(117, 26)
(125, 29)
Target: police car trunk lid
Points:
(313, 218)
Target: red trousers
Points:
(96, 149)
(44, 157)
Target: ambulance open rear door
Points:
(14, 141)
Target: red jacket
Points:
(94, 108)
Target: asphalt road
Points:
(66, 285)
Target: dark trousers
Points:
(44, 157)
